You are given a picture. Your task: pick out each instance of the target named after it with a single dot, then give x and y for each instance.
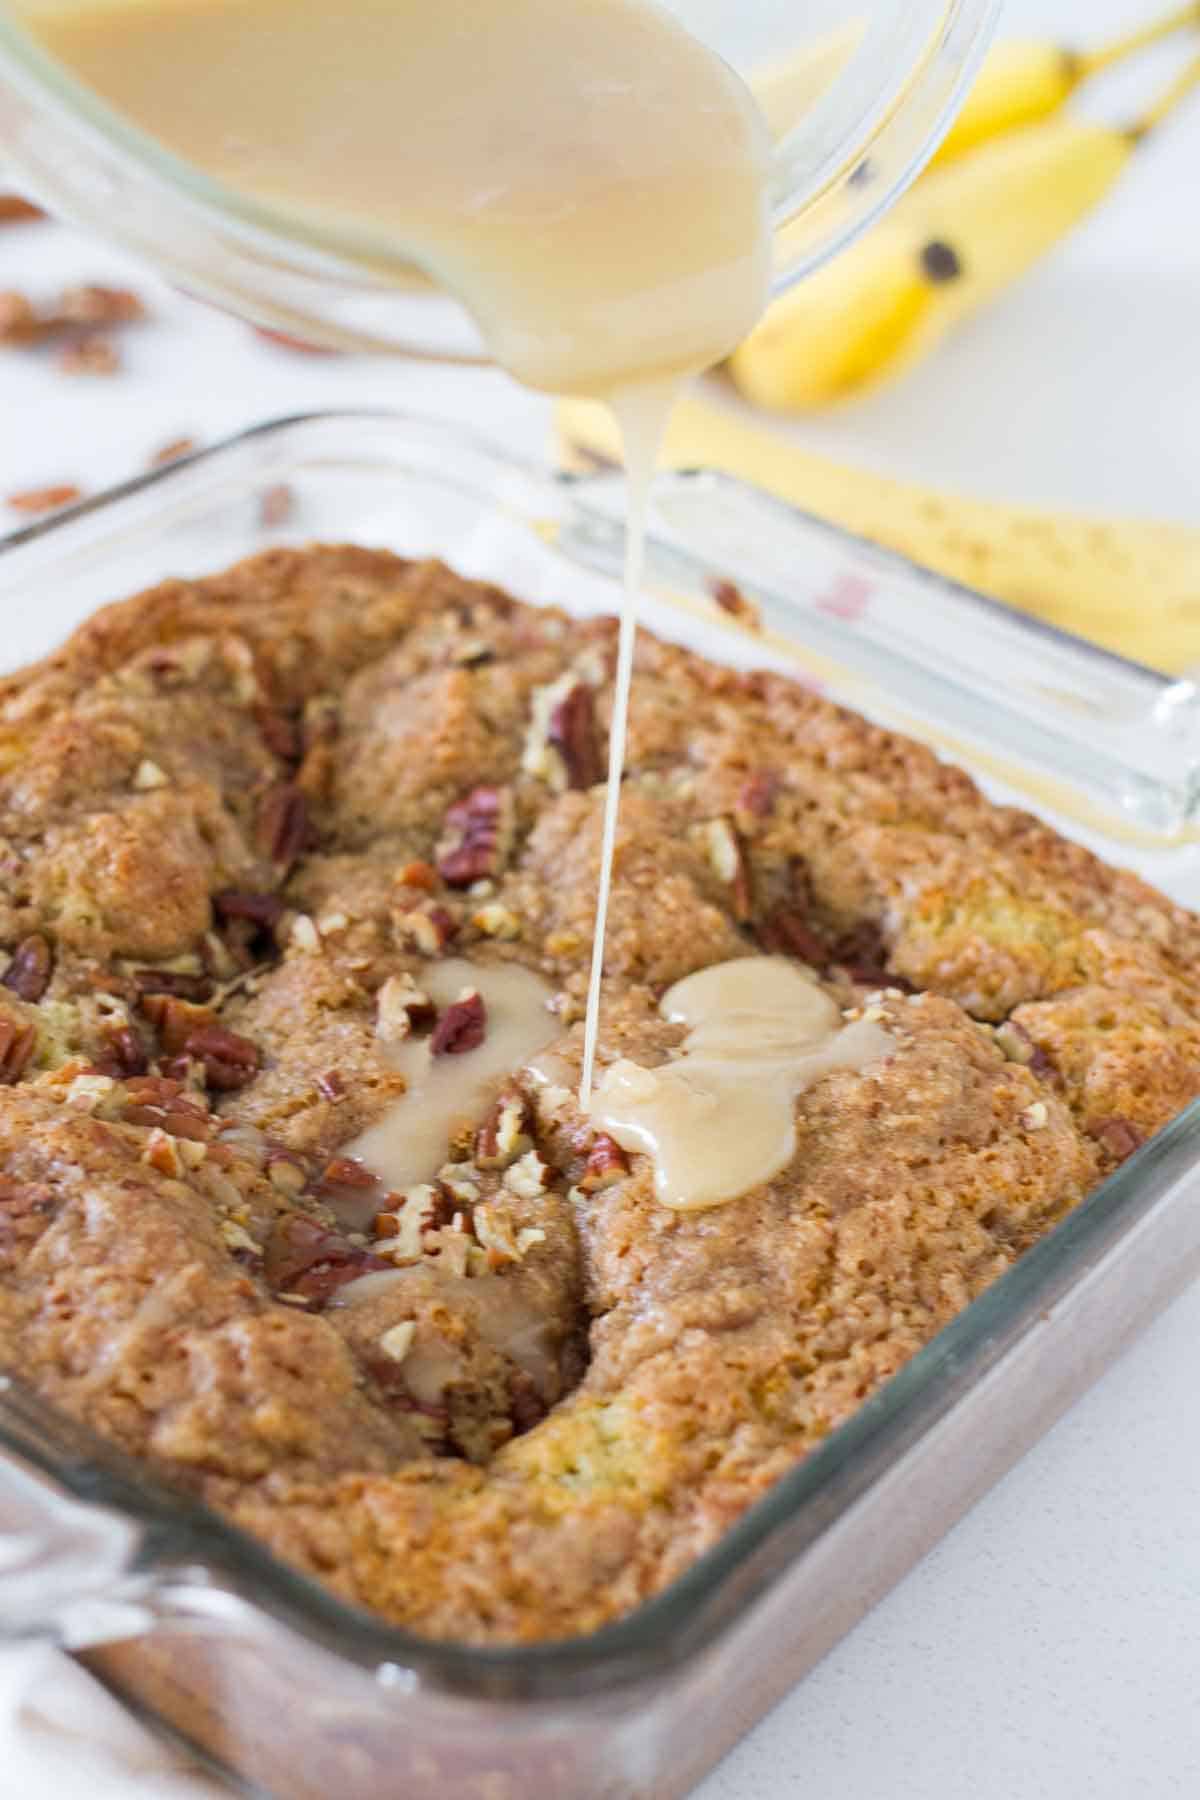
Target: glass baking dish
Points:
(288, 1690)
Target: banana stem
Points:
(1187, 78)
(1085, 63)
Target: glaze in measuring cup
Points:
(856, 104)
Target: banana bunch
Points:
(1132, 585)
(1015, 174)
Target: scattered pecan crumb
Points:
(462, 1026)
(14, 209)
(19, 322)
(44, 499)
(92, 303)
(331, 1087)
(90, 354)
(28, 974)
(288, 342)
(171, 452)
(730, 598)
(275, 504)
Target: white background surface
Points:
(1050, 1647)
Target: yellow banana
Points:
(1022, 81)
(1130, 584)
(949, 245)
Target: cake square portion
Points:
(264, 832)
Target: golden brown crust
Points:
(225, 842)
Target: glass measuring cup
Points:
(854, 106)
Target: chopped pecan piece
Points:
(175, 1020)
(94, 304)
(429, 928)
(156, 1100)
(462, 1026)
(400, 1009)
(342, 1172)
(1019, 1047)
(123, 1054)
(287, 1170)
(504, 1134)
(229, 1060)
(607, 1163)
(28, 974)
(1120, 1137)
(331, 1086)
(282, 823)
(15, 209)
(16, 1047)
(571, 731)
(181, 986)
(19, 322)
(726, 856)
(418, 875)
(477, 836)
(303, 1257)
(162, 1153)
(44, 499)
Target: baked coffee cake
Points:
(289, 848)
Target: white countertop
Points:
(1049, 1646)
